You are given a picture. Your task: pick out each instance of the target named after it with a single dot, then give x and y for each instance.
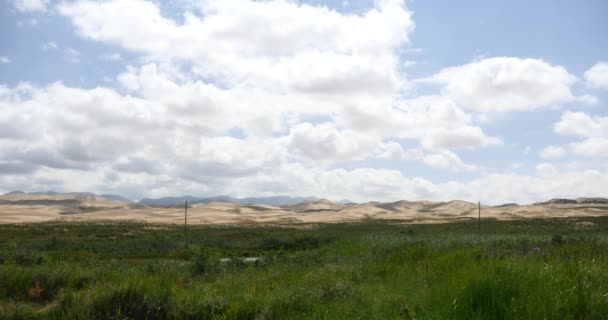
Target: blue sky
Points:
(365, 100)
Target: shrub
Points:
(27, 258)
(202, 263)
(557, 239)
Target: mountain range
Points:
(21, 207)
(180, 201)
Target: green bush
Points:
(202, 262)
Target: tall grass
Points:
(536, 269)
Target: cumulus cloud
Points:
(62, 128)
(30, 5)
(392, 150)
(51, 45)
(324, 142)
(580, 124)
(597, 75)
(366, 184)
(58, 126)
(504, 84)
(591, 147)
(447, 160)
(592, 129)
(437, 122)
(4, 60)
(307, 88)
(546, 169)
(279, 45)
(111, 57)
(552, 152)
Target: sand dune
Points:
(28, 208)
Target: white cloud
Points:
(546, 169)
(394, 151)
(112, 57)
(72, 55)
(265, 69)
(204, 108)
(597, 75)
(447, 160)
(30, 5)
(517, 165)
(66, 128)
(552, 152)
(66, 139)
(4, 60)
(593, 131)
(436, 121)
(298, 59)
(502, 188)
(227, 157)
(588, 99)
(504, 84)
(106, 136)
(51, 45)
(324, 142)
(363, 184)
(271, 44)
(591, 147)
(366, 184)
(579, 124)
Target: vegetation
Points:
(532, 269)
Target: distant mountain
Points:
(577, 201)
(346, 201)
(178, 201)
(168, 201)
(504, 205)
(53, 193)
(276, 201)
(556, 201)
(14, 192)
(116, 198)
(592, 201)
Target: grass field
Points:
(532, 269)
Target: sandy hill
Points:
(82, 199)
(451, 207)
(315, 206)
(19, 207)
(49, 206)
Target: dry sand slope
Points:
(25, 208)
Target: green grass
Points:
(529, 269)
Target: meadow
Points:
(526, 269)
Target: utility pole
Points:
(479, 216)
(186, 223)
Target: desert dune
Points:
(83, 207)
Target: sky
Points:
(491, 101)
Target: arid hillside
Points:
(26, 208)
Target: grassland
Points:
(529, 269)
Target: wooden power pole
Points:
(186, 223)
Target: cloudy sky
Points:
(365, 100)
